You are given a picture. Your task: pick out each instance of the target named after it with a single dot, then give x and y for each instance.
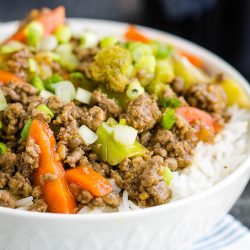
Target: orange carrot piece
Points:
(55, 190)
(133, 34)
(50, 21)
(6, 77)
(193, 59)
(89, 180)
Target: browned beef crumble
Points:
(142, 177)
(104, 102)
(6, 199)
(210, 97)
(142, 113)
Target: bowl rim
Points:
(179, 42)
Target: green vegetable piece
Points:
(3, 148)
(111, 151)
(134, 90)
(1, 125)
(161, 50)
(11, 47)
(157, 88)
(167, 102)
(139, 50)
(167, 175)
(89, 39)
(48, 83)
(34, 33)
(37, 82)
(45, 109)
(123, 121)
(108, 41)
(76, 76)
(32, 65)
(26, 129)
(164, 71)
(168, 119)
(111, 67)
(63, 34)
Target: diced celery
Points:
(168, 119)
(11, 47)
(49, 82)
(26, 129)
(139, 50)
(32, 65)
(45, 94)
(37, 82)
(45, 109)
(34, 32)
(108, 41)
(167, 175)
(164, 71)
(48, 43)
(89, 39)
(161, 50)
(3, 148)
(63, 34)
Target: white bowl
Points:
(172, 226)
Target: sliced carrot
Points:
(6, 77)
(193, 59)
(55, 190)
(208, 127)
(50, 20)
(89, 180)
(133, 34)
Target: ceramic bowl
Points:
(170, 227)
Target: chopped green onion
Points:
(45, 94)
(134, 89)
(3, 102)
(124, 134)
(164, 71)
(83, 96)
(65, 90)
(3, 148)
(161, 50)
(48, 43)
(69, 61)
(76, 76)
(89, 39)
(32, 65)
(123, 121)
(167, 102)
(63, 34)
(11, 47)
(49, 82)
(1, 125)
(45, 109)
(146, 63)
(167, 175)
(108, 41)
(88, 136)
(168, 119)
(26, 129)
(34, 33)
(37, 82)
(139, 50)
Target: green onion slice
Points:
(168, 119)
(26, 129)
(167, 102)
(45, 109)
(3, 148)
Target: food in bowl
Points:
(110, 124)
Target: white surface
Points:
(168, 227)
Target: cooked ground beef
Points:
(7, 163)
(106, 103)
(3, 179)
(142, 177)
(18, 63)
(39, 206)
(6, 199)
(210, 97)
(93, 118)
(142, 113)
(20, 185)
(178, 85)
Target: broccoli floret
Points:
(111, 67)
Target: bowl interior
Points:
(213, 64)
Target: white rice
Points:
(212, 163)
